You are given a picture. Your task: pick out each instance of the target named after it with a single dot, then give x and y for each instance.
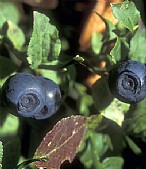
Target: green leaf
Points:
(11, 153)
(116, 111)
(96, 42)
(136, 124)
(15, 35)
(101, 142)
(116, 51)
(1, 154)
(127, 14)
(5, 70)
(44, 44)
(113, 163)
(86, 157)
(97, 146)
(120, 51)
(137, 46)
(9, 11)
(110, 28)
(134, 147)
(85, 102)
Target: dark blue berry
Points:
(52, 102)
(24, 94)
(127, 81)
(30, 96)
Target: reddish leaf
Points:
(61, 142)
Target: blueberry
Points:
(31, 96)
(52, 102)
(24, 94)
(127, 81)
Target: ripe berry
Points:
(26, 96)
(52, 102)
(127, 81)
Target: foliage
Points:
(90, 124)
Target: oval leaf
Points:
(113, 163)
(127, 14)
(61, 142)
(44, 43)
(15, 35)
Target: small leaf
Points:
(127, 14)
(116, 51)
(133, 146)
(15, 35)
(113, 163)
(86, 157)
(116, 111)
(95, 148)
(9, 11)
(96, 42)
(137, 46)
(101, 142)
(61, 142)
(85, 102)
(44, 44)
(1, 154)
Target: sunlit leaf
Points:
(127, 14)
(116, 111)
(45, 43)
(61, 142)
